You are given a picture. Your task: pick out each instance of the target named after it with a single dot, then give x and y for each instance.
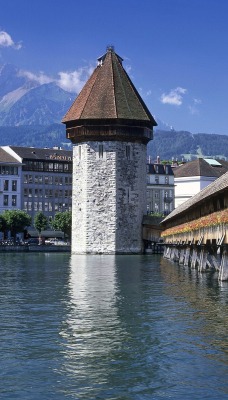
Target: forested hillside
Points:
(34, 136)
(166, 144)
(172, 144)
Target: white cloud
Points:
(128, 69)
(193, 108)
(74, 81)
(144, 93)
(40, 78)
(174, 97)
(197, 101)
(7, 41)
(69, 81)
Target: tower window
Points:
(128, 152)
(101, 151)
(79, 152)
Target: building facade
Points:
(160, 188)
(191, 177)
(44, 181)
(10, 182)
(109, 126)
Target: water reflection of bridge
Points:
(196, 232)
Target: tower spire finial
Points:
(110, 48)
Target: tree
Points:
(63, 222)
(3, 225)
(16, 221)
(40, 223)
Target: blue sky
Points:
(175, 51)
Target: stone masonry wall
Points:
(109, 197)
(131, 197)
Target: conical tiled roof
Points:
(109, 94)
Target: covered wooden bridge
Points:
(196, 233)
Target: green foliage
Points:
(3, 224)
(63, 222)
(16, 221)
(40, 222)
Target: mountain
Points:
(34, 136)
(162, 126)
(30, 115)
(179, 145)
(11, 78)
(24, 101)
(167, 145)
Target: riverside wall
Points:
(36, 249)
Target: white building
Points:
(160, 188)
(191, 177)
(10, 182)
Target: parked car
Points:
(33, 241)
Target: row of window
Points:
(8, 170)
(9, 200)
(48, 180)
(46, 166)
(31, 192)
(45, 206)
(156, 194)
(155, 179)
(155, 208)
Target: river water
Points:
(110, 327)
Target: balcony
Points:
(168, 199)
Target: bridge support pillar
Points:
(167, 252)
(174, 254)
(223, 271)
(215, 262)
(187, 256)
(181, 258)
(194, 258)
(203, 259)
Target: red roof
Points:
(109, 94)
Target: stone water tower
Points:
(109, 126)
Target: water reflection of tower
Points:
(91, 330)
